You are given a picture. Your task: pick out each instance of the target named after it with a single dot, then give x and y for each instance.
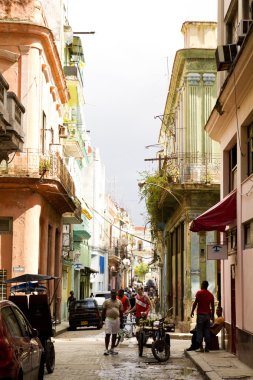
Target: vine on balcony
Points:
(152, 195)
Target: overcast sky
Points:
(128, 65)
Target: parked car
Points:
(84, 313)
(21, 352)
(101, 296)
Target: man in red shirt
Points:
(205, 313)
(124, 299)
(142, 305)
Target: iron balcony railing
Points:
(32, 163)
(193, 168)
(114, 251)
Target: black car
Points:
(84, 313)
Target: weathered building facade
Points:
(35, 184)
(230, 124)
(188, 175)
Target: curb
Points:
(202, 366)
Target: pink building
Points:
(36, 188)
(231, 124)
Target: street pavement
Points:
(214, 365)
(80, 355)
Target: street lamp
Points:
(143, 183)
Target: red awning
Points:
(217, 217)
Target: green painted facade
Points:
(191, 165)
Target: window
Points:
(1, 93)
(43, 132)
(231, 20)
(3, 285)
(101, 264)
(5, 225)
(250, 149)
(248, 235)
(11, 322)
(232, 240)
(26, 331)
(233, 168)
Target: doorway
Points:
(233, 310)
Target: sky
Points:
(128, 63)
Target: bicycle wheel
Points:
(117, 340)
(141, 340)
(49, 356)
(120, 337)
(160, 350)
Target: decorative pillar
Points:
(193, 85)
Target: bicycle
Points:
(161, 346)
(127, 331)
(158, 331)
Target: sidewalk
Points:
(217, 365)
(61, 328)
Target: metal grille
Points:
(3, 286)
(5, 225)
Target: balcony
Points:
(11, 112)
(73, 217)
(193, 168)
(73, 73)
(73, 145)
(43, 173)
(113, 256)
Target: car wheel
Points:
(50, 356)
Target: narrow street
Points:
(79, 355)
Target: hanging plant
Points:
(151, 188)
(44, 165)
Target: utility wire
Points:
(107, 220)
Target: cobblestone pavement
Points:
(79, 355)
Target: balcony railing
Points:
(32, 163)
(193, 168)
(114, 251)
(73, 145)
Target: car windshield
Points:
(105, 295)
(89, 304)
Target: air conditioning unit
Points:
(225, 55)
(63, 131)
(243, 28)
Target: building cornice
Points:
(45, 36)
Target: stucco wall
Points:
(22, 247)
(247, 291)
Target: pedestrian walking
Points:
(142, 305)
(71, 299)
(132, 299)
(204, 302)
(124, 299)
(157, 304)
(112, 313)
